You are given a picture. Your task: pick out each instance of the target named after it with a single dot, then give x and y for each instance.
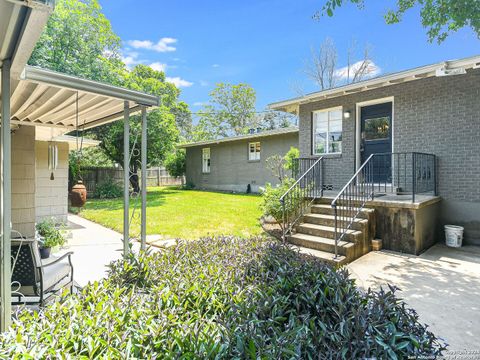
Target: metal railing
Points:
(352, 199)
(404, 173)
(301, 165)
(397, 173)
(297, 199)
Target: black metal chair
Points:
(35, 278)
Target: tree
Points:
(322, 67)
(439, 17)
(230, 111)
(162, 135)
(79, 40)
(175, 163)
(269, 120)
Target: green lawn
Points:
(186, 214)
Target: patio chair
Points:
(36, 278)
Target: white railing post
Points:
(143, 235)
(6, 203)
(126, 178)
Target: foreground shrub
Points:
(108, 189)
(222, 298)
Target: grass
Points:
(186, 214)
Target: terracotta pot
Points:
(78, 195)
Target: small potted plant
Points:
(50, 235)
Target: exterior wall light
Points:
(346, 114)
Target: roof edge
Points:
(275, 132)
(381, 81)
(44, 76)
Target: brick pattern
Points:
(230, 169)
(23, 180)
(434, 115)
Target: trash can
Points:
(453, 235)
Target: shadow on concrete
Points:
(442, 284)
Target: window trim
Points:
(259, 152)
(328, 130)
(206, 169)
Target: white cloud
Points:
(158, 66)
(130, 58)
(371, 70)
(163, 45)
(215, 65)
(178, 82)
(204, 83)
(199, 103)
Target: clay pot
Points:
(78, 195)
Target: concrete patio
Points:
(94, 247)
(442, 284)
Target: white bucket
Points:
(453, 235)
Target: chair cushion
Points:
(55, 273)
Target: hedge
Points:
(218, 298)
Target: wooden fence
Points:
(158, 176)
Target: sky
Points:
(265, 43)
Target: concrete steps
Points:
(323, 255)
(315, 234)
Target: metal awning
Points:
(43, 97)
(55, 103)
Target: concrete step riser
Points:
(330, 234)
(348, 252)
(330, 211)
(360, 226)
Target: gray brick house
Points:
(238, 162)
(432, 110)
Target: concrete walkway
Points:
(442, 284)
(94, 247)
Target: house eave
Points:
(277, 132)
(422, 72)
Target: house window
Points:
(327, 131)
(206, 160)
(254, 151)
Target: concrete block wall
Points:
(51, 199)
(438, 115)
(230, 169)
(23, 180)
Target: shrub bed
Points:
(222, 298)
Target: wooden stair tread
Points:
(319, 239)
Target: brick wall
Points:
(439, 115)
(230, 169)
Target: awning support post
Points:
(6, 203)
(126, 178)
(143, 236)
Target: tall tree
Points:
(230, 111)
(79, 40)
(323, 69)
(439, 17)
